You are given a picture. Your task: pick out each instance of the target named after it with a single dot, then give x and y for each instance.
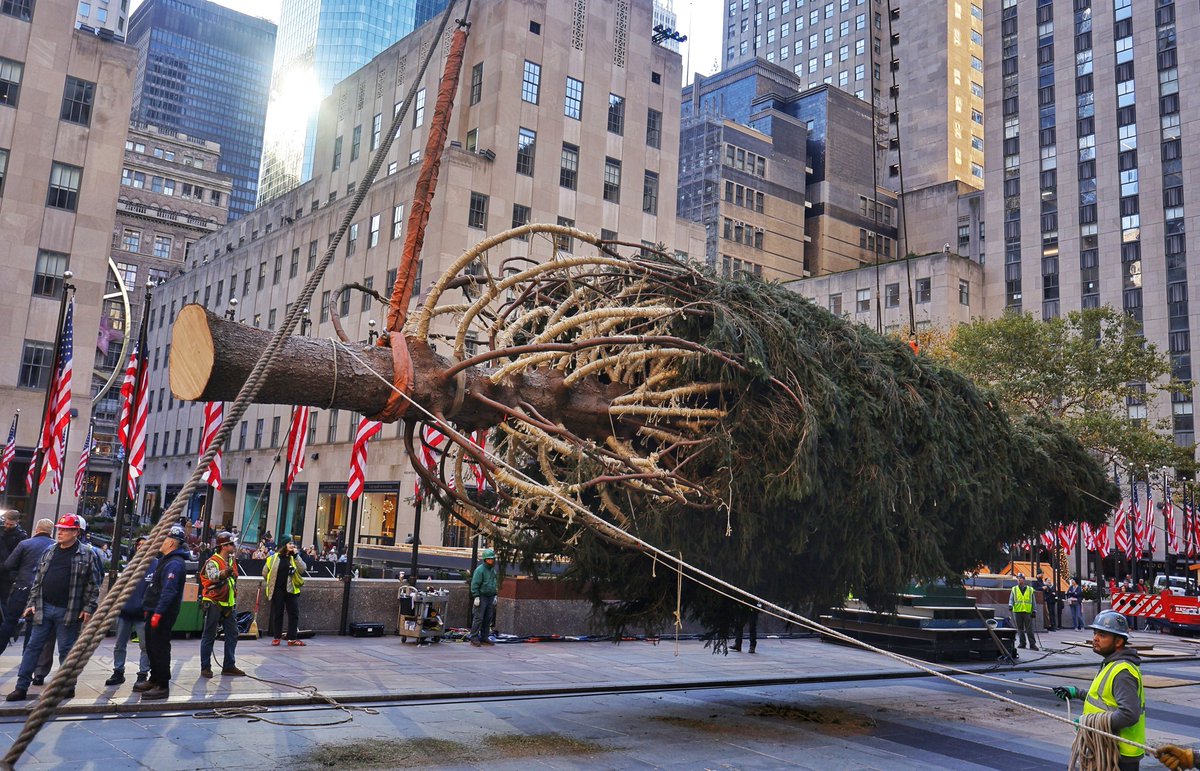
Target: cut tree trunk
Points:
(212, 357)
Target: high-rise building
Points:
(63, 119)
(540, 133)
(205, 71)
(664, 16)
(106, 18)
(1089, 118)
(321, 42)
(933, 49)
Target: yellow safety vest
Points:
(1022, 602)
(269, 570)
(1100, 699)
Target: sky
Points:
(700, 53)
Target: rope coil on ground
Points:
(254, 712)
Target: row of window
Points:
(869, 240)
(742, 233)
(744, 160)
(131, 241)
(740, 195)
(167, 186)
(78, 95)
(162, 154)
(922, 294)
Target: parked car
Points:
(1178, 585)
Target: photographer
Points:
(283, 575)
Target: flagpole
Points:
(416, 542)
(87, 464)
(283, 485)
(8, 483)
(143, 360)
(348, 574)
(62, 471)
(39, 452)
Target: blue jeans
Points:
(125, 629)
(485, 616)
(214, 616)
(55, 625)
(1077, 616)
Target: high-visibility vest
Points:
(1022, 602)
(1100, 699)
(269, 575)
(220, 592)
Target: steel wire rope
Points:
(96, 628)
(719, 585)
(254, 712)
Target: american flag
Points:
(1068, 536)
(1048, 540)
(213, 415)
(297, 443)
(431, 451)
(131, 430)
(58, 416)
(1139, 527)
(81, 469)
(1151, 530)
(31, 473)
(358, 456)
(1121, 530)
(1169, 519)
(10, 452)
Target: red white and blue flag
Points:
(297, 442)
(81, 469)
(358, 456)
(131, 429)
(9, 453)
(1068, 536)
(213, 415)
(58, 415)
(1169, 519)
(1124, 540)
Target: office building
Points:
(540, 133)
(1088, 168)
(205, 71)
(106, 18)
(63, 120)
(321, 42)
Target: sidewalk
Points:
(383, 669)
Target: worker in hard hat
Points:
(1024, 609)
(1175, 757)
(1117, 688)
(483, 590)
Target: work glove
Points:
(1175, 757)
(1066, 692)
(154, 620)
(477, 602)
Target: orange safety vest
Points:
(220, 592)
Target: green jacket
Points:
(483, 581)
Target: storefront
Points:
(377, 514)
(333, 517)
(291, 518)
(255, 507)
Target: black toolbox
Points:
(366, 629)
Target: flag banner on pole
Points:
(58, 416)
(1169, 519)
(1139, 527)
(81, 469)
(127, 384)
(297, 443)
(1121, 535)
(10, 452)
(1048, 540)
(1151, 531)
(358, 456)
(432, 447)
(135, 451)
(213, 416)
(31, 474)
(1068, 536)
(56, 477)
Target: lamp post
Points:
(305, 323)
(372, 334)
(231, 313)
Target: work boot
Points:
(39, 680)
(155, 692)
(752, 649)
(1022, 645)
(488, 642)
(476, 644)
(141, 686)
(233, 672)
(206, 672)
(18, 694)
(142, 676)
(736, 648)
(118, 677)
(1032, 647)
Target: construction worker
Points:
(283, 575)
(161, 603)
(1176, 758)
(218, 601)
(1024, 610)
(483, 589)
(1117, 688)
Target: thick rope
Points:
(1094, 749)
(97, 627)
(727, 589)
(254, 712)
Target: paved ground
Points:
(437, 693)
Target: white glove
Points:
(477, 602)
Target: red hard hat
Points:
(70, 520)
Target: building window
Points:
(275, 431)
(262, 275)
(616, 114)
(531, 82)
(373, 235)
(48, 277)
(312, 262)
(612, 180)
(355, 143)
(862, 302)
(293, 270)
(653, 128)
(520, 217)
(835, 304)
(3, 168)
(352, 240)
(331, 429)
(964, 292)
(472, 141)
(419, 109)
(131, 240)
(564, 243)
(325, 305)
(477, 213)
(924, 290)
(397, 220)
(891, 296)
(64, 186)
(337, 154)
(162, 247)
(369, 283)
(568, 174)
(36, 361)
(650, 193)
(525, 147)
(10, 81)
(476, 83)
(573, 105)
(77, 101)
(376, 130)
(21, 9)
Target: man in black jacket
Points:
(132, 619)
(11, 535)
(21, 565)
(163, 599)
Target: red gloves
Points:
(155, 619)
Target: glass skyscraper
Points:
(321, 42)
(205, 71)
